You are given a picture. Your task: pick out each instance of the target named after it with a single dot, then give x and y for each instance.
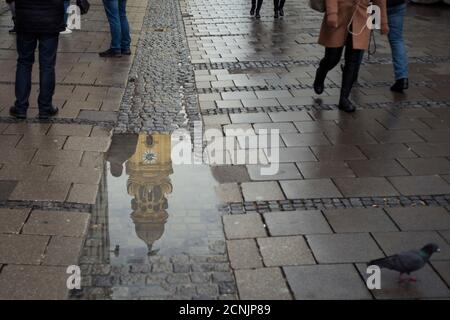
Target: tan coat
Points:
(338, 15)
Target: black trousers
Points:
(352, 59)
(26, 46)
(278, 4)
(257, 6)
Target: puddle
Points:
(152, 212)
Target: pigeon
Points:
(408, 261)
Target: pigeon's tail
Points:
(382, 263)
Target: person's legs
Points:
(329, 61)
(399, 56)
(112, 13)
(275, 8)
(349, 74)
(48, 46)
(125, 27)
(26, 46)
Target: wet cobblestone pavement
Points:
(350, 187)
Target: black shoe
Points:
(281, 12)
(400, 85)
(17, 113)
(319, 81)
(257, 16)
(48, 113)
(110, 53)
(276, 15)
(252, 11)
(346, 105)
(126, 52)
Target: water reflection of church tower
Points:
(149, 184)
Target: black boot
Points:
(400, 85)
(281, 11)
(319, 81)
(348, 78)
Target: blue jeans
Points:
(399, 57)
(118, 23)
(66, 6)
(26, 46)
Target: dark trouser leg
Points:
(281, 4)
(275, 5)
(26, 46)
(258, 8)
(329, 61)
(350, 74)
(48, 45)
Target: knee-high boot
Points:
(349, 77)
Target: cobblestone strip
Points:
(160, 96)
(321, 107)
(304, 62)
(337, 203)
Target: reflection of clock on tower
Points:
(149, 184)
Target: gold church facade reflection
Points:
(149, 170)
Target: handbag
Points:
(84, 6)
(317, 5)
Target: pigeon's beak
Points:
(438, 250)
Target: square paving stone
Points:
(25, 172)
(243, 254)
(83, 193)
(228, 174)
(285, 251)
(286, 171)
(443, 269)
(387, 151)
(344, 247)
(377, 168)
(420, 185)
(304, 139)
(282, 127)
(14, 156)
(420, 218)
(289, 116)
(306, 189)
(57, 157)
(12, 220)
(426, 166)
(100, 144)
(6, 188)
(27, 128)
(325, 169)
(33, 283)
(396, 242)
(365, 187)
(22, 249)
(63, 251)
(215, 120)
(291, 154)
(40, 191)
(285, 223)
(324, 282)
(76, 174)
(262, 284)
(41, 142)
(60, 223)
(359, 220)
(431, 149)
(228, 192)
(429, 285)
(262, 191)
(249, 225)
(249, 117)
(341, 152)
(70, 130)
